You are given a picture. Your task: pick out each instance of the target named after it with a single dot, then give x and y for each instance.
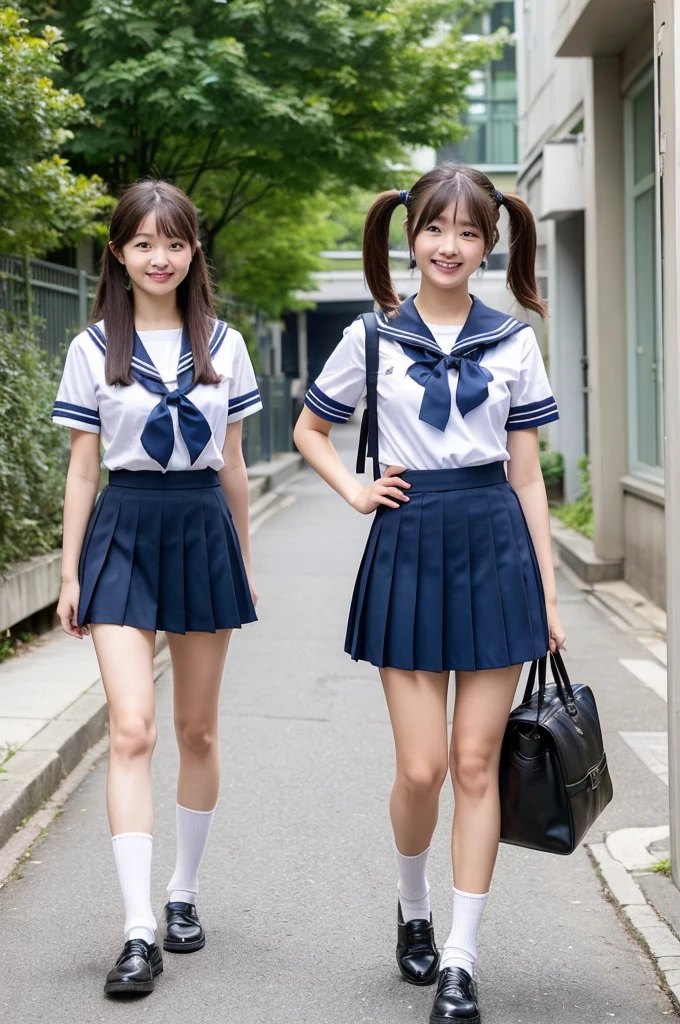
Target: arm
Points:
(524, 475)
(314, 444)
(82, 484)
(234, 480)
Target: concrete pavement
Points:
(298, 891)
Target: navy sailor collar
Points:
(142, 365)
(483, 326)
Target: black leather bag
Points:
(554, 779)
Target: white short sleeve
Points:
(532, 403)
(77, 405)
(335, 393)
(244, 394)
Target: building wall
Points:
(585, 251)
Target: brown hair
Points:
(176, 217)
(430, 195)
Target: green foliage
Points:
(552, 464)
(578, 515)
(234, 101)
(43, 204)
(270, 254)
(33, 451)
(11, 643)
(663, 867)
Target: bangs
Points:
(457, 189)
(172, 220)
(174, 212)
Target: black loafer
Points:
(456, 998)
(417, 955)
(135, 970)
(183, 930)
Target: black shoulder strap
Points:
(368, 437)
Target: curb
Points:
(663, 945)
(40, 767)
(578, 552)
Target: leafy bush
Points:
(552, 464)
(33, 452)
(578, 515)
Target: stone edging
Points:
(578, 552)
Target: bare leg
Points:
(417, 706)
(483, 702)
(197, 666)
(125, 656)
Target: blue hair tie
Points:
(404, 196)
(500, 198)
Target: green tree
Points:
(42, 202)
(236, 101)
(268, 255)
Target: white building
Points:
(594, 76)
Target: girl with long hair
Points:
(164, 385)
(457, 575)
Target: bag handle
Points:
(560, 678)
(368, 435)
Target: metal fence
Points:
(55, 302)
(272, 430)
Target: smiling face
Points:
(449, 248)
(157, 263)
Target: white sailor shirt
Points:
(504, 387)
(119, 412)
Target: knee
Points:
(421, 779)
(133, 736)
(196, 738)
(473, 773)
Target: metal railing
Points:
(271, 430)
(54, 300)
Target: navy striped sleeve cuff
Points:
(325, 407)
(76, 416)
(536, 414)
(244, 405)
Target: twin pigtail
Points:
(445, 181)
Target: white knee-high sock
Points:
(193, 829)
(460, 949)
(132, 854)
(414, 892)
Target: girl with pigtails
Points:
(457, 574)
(164, 385)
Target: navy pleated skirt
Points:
(161, 552)
(449, 580)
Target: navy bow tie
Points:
(431, 372)
(483, 328)
(158, 436)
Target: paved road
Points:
(298, 888)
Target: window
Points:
(645, 357)
(491, 117)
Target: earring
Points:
(484, 264)
(412, 260)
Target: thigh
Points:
(416, 702)
(125, 655)
(197, 667)
(481, 709)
